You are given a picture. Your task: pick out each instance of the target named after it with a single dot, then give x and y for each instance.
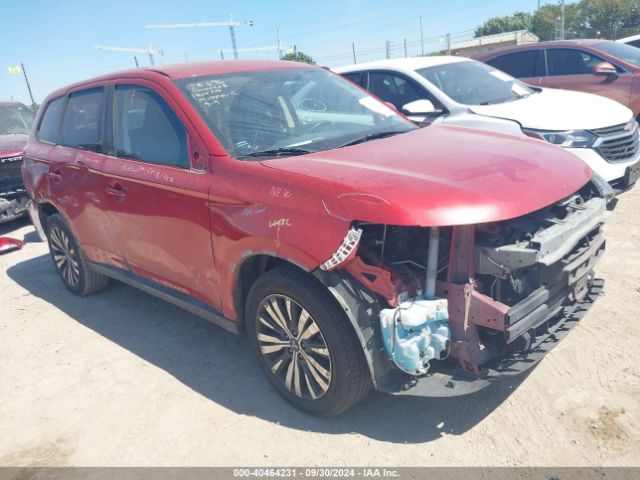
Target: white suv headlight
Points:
(570, 138)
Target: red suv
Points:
(603, 67)
(282, 202)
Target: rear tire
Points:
(304, 343)
(69, 260)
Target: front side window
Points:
(15, 119)
(527, 64)
(395, 89)
(146, 128)
(50, 123)
(570, 61)
(474, 83)
(274, 113)
(81, 124)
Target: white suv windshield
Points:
(273, 113)
(474, 83)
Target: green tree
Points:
(509, 23)
(604, 18)
(298, 56)
(544, 20)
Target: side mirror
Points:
(420, 107)
(605, 69)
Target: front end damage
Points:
(446, 311)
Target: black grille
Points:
(618, 144)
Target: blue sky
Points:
(56, 39)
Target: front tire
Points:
(69, 261)
(304, 343)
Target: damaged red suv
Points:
(283, 203)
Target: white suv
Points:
(461, 91)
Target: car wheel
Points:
(69, 261)
(304, 343)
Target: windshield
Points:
(474, 83)
(622, 51)
(274, 113)
(15, 119)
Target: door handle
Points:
(116, 190)
(55, 175)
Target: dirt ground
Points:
(121, 378)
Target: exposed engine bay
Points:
(473, 293)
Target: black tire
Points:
(341, 356)
(69, 261)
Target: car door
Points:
(572, 69)
(526, 65)
(69, 139)
(78, 176)
(159, 192)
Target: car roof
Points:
(186, 70)
(411, 63)
(528, 46)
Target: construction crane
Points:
(149, 51)
(231, 24)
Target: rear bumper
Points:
(446, 379)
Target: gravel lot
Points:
(121, 378)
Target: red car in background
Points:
(603, 67)
(15, 123)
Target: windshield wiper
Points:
(512, 99)
(278, 152)
(371, 136)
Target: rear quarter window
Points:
(49, 128)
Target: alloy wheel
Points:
(64, 256)
(293, 346)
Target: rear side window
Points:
(529, 63)
(569, 61)
(50, 123)
(145, 128)
(81, 124)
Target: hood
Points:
(552, 109)
(439, 175)
(12, 144)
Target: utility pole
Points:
(561, 19)
(388, 49)
(221, 55)
(26, 79)
(448, 40)
(421, 38)
(353, 49)
(405, 48)
(278, 43)
(149, 51)
(135, 59)
(231, 24)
